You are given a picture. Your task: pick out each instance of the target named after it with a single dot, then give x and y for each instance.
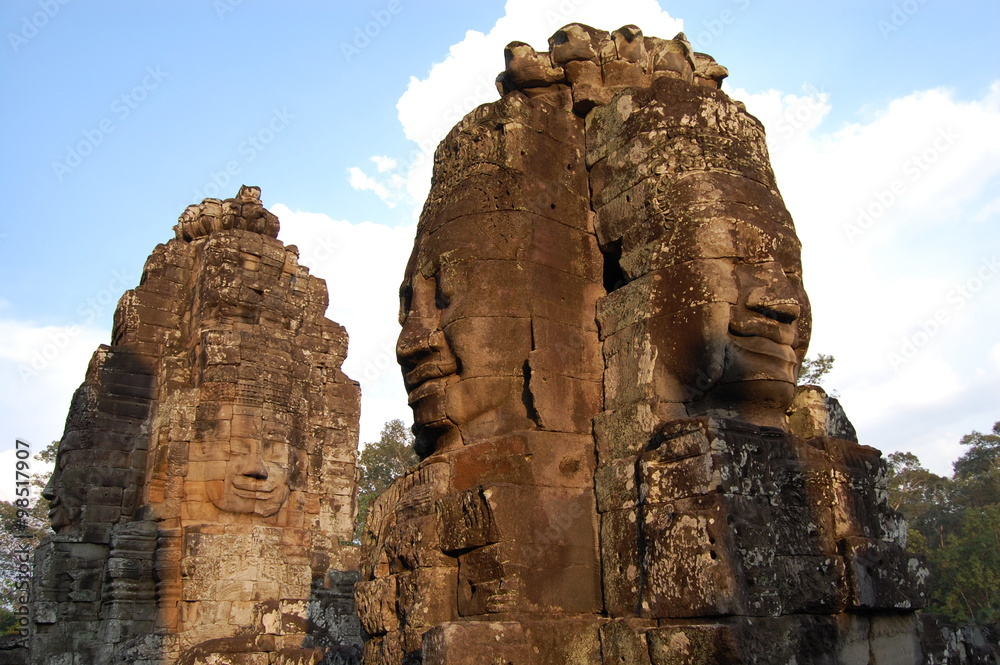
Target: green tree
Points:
(923, 497)
(813, 370)
(977, 471)
(967, 587)
(380, 463)
(955, 523)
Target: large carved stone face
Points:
(735, 323)
(83, 477)
(65, 491)
(465, 339)
(248, 476)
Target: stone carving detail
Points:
(502, 363)
(205, 482)
(603, 319)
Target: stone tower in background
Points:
(204, 492)
(603, 320)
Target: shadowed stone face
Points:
(604, 265)
(65, 493)
(204, 487)
(736, 329)
(709, 316)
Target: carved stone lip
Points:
(428, 387)
(244, 490)
(766, 347)
(426, 373)
(782, 334)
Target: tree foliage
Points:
(382, 462)
(955, 523)
(813, 370)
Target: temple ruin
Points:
(603, 318)
(203, 498)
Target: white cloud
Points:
(465, 78)
(40, 367)
(362, 182)
(384, 163)
(789, 118)
(388, 186)
(924, 170)
(363, 265)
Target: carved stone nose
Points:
(414, 342)
(774, 297)
(254, 467)
(257, 472)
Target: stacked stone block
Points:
(503, 368)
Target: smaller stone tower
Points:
(203, 497)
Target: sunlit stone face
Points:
(247, 475)
(734, 324)
(464, 342)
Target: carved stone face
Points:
(64, 492)
(736, 318)
(463, 347)
(82, 477)
(252, 478)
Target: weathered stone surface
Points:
(643, 395)
(503, 365)
(603, 318)
(814, 413)
(205, 481)
(943, 643)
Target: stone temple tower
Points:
(603, 320)
(204, 493)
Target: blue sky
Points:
(117, 115)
